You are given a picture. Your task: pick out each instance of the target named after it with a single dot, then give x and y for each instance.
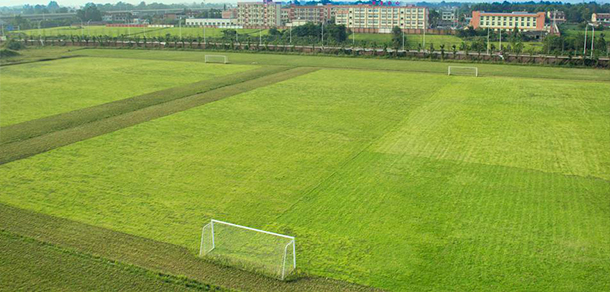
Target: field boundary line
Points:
(26, 148)
(45, 125)
(135, 250)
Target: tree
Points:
(90, 12)
(396, 37)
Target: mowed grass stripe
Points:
(22, 149)
(149, 254)
(46, 125)
(42, 89)
(29, 264)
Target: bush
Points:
(5, 53)
(14, 45)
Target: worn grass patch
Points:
(35, 90)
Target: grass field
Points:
(39, 266)
(36, 90)
(133, 31)
(406, 181)
(488, 70)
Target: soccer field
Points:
(397, 180)
(40, 89)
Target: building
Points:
(229, 13)
(557, 17)
(508, 21)
(381, 19)
(601, 18)
(267, 14)
(311, 13)
(215, 22)
(448, 16)
(117, 17)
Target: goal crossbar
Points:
(476, 69)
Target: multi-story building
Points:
(601, 18)
(523, 21)
(117, 17)
(215, 22)
(381, 19)
(266, 14)
(229, 13)
(448, 16)
(557, 17)
(311, 13)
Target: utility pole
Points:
(260, 37)
(291, 34)
(180, 27)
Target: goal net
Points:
(248, 248)
(460, 70)
(216, 59)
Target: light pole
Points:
(322, 35)
(403, 39)
(500, 45)
(88, 25)
(584, 50)
(488, 41)
(592, 39)
(82, 29)
(291, 34)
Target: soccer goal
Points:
(460, 70)
(249, 248)
(216, 59)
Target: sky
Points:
(77, 3)
(83, 2)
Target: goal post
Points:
(249, 248)
(216, 59)
(462, 70)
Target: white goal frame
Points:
(291, 239)
(476, 69)
(225, 59)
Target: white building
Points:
(381, 18)
(215, 22)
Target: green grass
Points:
(29, 265)
(402, 181)
(358, 63)
(36, 90)
(137, 255)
